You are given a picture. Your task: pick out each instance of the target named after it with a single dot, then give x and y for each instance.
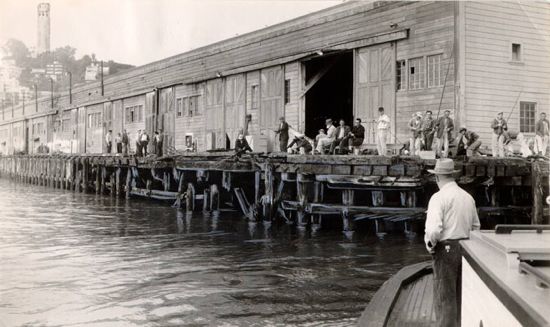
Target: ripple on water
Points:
(71, 259)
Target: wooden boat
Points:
(505, 282)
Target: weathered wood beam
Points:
(315, 78)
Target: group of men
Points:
(341, 139)
(424, 130)
(142, 141)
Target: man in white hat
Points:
(451, 216)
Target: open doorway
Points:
(331, 95)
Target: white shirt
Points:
(341, 134)
(383, 122)
(330, 131)
(451, 215)
(108, 138)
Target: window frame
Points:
(522, 117)
(286, 91)
(428, 71)
(254, 96)
(520, 52)
(401, 74)
(421, 73)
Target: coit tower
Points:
(43, 37)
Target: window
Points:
(134, 114)
(516, 52)
(179, 107)
(287, 91)
(193, 107)
(401, 75)
(139, 110)
(416, 73)
(527, 112)
(94, 120)
(66, 125)
(434, 71)
(254, 96)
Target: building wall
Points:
(133, 127)
(493, 81)
(38, 134)
(94, 129)
(190, 125)
(431, 33)
(292, 108)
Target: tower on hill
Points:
(43, 36)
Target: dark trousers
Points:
(109, 146)
(283, 144)
(447, 266)
(428, 141)
(138, 149)
(119, 148)
(158, 149)
(144, 147)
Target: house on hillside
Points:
(473, 58)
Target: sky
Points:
(141, 31)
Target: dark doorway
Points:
(332, 95)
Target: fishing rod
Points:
(514, 107)
(445, 81)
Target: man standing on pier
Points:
(451, 215)
(499, 126)
(542, 132)
(383, 129)
(283, 134)
(444, 126)
(109, 140)
(125, 142)
(428, 130)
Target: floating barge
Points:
(382, 192)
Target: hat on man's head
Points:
(462, 128)
(328, 121)
(419, 114)
(444, 167)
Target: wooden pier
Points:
(383, 193)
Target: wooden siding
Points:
(431, 32)
(133, 127)
(253, 109)
(191, 125)
(95, 129)
(492, 80)
(292, 108)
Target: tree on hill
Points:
(64, 55)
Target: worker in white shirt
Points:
(451, 215)
(383, 128)
(109, 140)
(327, 141)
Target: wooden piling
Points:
(190, 198)
(539, 181)
(214, 198)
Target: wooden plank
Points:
(381, 305)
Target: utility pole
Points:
(70, 87)
(51, 90)
(102, 85)
(36, 96)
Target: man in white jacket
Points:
(383, 128)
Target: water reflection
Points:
(72, 259)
